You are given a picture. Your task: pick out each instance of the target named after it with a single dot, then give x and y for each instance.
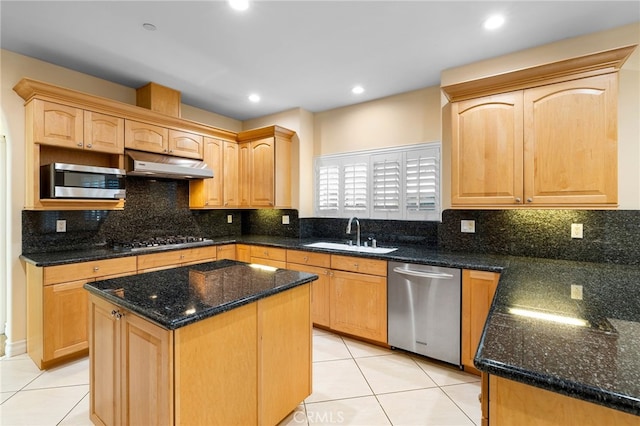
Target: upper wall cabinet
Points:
(264, 167)
(553, 144)
(66, 126)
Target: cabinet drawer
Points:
(271, 253)
(176, 257)
(359, 264)
(309, 258)
(87, 270)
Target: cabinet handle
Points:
(79, 144)
(182, 256)
(117, 314)
(518, 200)
(326, 272)
(306, 259)
(96, 268)
(355, 265)
(89, 145)
(529, 200)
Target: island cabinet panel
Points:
(132, 381)
(514, 403)
(227, 382)
(284, 353)
(171, 259)
(478, 289)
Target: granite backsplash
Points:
(160, 207)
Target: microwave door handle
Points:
(422, 274)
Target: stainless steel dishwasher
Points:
(424, 310)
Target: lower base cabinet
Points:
(513, 403)
(248, 366)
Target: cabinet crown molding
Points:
(29, 89)
(603, 62)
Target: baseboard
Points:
(12, 349)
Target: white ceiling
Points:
(304, 54)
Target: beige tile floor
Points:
(353, 384)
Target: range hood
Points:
(152, 165)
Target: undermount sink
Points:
(347, 247)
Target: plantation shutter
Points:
(422, 183)
(386, 177)
(328, 188)
(355, 187)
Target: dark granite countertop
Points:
(599, 362)
(174, 298)
(597, 359)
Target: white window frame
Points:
(394, 183)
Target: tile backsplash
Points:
(161, 207)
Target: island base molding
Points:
(513, 403)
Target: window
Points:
(400, 183)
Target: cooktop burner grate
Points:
(168, 242)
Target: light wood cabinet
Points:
(319, 264)
(478, 289)
(135, 360)
(185, 144)
(222, 190)
(514, 403)
(255, 370)
(103, 133)
(269, 256)
(227, 251)
(264, 167)
(57, 307)
(56, 124)
(171, 259)
(243, 253)
(552, 145)
(146, 137)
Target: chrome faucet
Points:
(358, 229)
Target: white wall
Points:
(4, 270)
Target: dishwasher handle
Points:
(422, 274)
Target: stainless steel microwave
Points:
(60, 180)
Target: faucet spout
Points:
(348, 231)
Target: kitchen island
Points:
(216, 343)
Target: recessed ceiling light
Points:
(494, 22)
(254, 98)
(357, 90)
(149, 27)
(240, 5)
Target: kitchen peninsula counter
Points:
(214, 343)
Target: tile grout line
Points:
(72, 408)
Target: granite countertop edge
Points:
(208, 313)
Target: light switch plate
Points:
(229, 218)
(576, 292)
(576, 230)
(468, 226)
(285, 219)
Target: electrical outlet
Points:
(61, 226)
(576, 230)
(468, 226)
(229, 218)
(285, 219)
(576, 292)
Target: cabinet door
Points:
(208, 192)
(243, 253)
(104, 354)
(320, 300)
(244, 175)
(570, 137)
(359, 305)
(55, 124)
(486, 166)
(185, 144)
(103, 133)
(65, 320)
(147, 372)
(227, 251)
(146, 137)
(262, 173)
(230, 177)
(478, 288)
